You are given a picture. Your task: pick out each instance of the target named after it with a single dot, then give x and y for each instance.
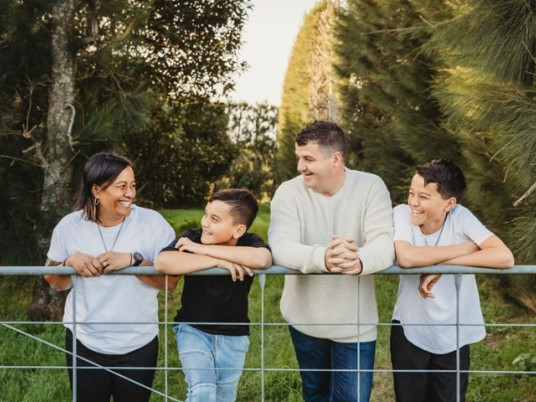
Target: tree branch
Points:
(527, 193)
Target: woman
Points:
(116, 315)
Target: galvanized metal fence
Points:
(17, 326)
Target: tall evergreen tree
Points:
(386, 108)
(252, 129)
(487, 92)
(308, 89)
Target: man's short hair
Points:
(326, 134)
(448, 177)
(243, 204)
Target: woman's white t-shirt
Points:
(115, 314)
(422, 318)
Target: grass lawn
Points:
(281, 380)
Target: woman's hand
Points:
(114, 261)
(84, 264)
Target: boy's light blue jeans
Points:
(212, 364)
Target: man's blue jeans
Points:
(212, 364)
(325, 357)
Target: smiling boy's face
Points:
(428, 208)
(218, 225)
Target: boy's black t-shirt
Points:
(216, 298)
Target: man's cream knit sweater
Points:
(302, 223)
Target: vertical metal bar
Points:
(358, 339)
(457, 284)
(165, 337)
(74, 280)
(262, 283)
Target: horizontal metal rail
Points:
(279, 270)
(456, 270)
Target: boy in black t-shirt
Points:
(211, 330)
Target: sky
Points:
(269, 34)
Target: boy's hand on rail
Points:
(426, 283)
(185, 244)
(236, 270)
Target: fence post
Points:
(458, 284)
(262, 284)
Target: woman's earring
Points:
(96, 201)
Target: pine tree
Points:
(487, 92)
(391, 120)
(252, 130)
(309, 88)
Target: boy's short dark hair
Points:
(326, 134)
(446, 175)
(243, 204)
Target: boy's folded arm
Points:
(247, 256)
(178, 262)
(410, 256)
(493, 253)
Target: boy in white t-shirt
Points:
(434, 229)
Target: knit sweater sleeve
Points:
(377, 253)
(284, 234)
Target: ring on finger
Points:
(105, 264)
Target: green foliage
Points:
(252, 130)
(144, 72)
(525, 361)
(180, 157)
(486, 90)
(308, 84)
(455, 80)
(391, 123)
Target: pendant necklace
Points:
(440, 232)
(116, 236)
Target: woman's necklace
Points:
(116, 236)
(440, 232)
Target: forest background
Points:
(408, 80)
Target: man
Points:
(331, 220)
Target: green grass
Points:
(497, 352)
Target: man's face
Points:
(428, 208)
(317, 167)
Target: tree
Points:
(82, 76)
(391, 120)
(186, 150)
(252, 130)
(309, 88)
(487, 91)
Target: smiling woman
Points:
(115, 314)
(115, 199)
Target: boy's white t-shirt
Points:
(460, 225)
(115, 314)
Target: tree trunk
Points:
(55, 195)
